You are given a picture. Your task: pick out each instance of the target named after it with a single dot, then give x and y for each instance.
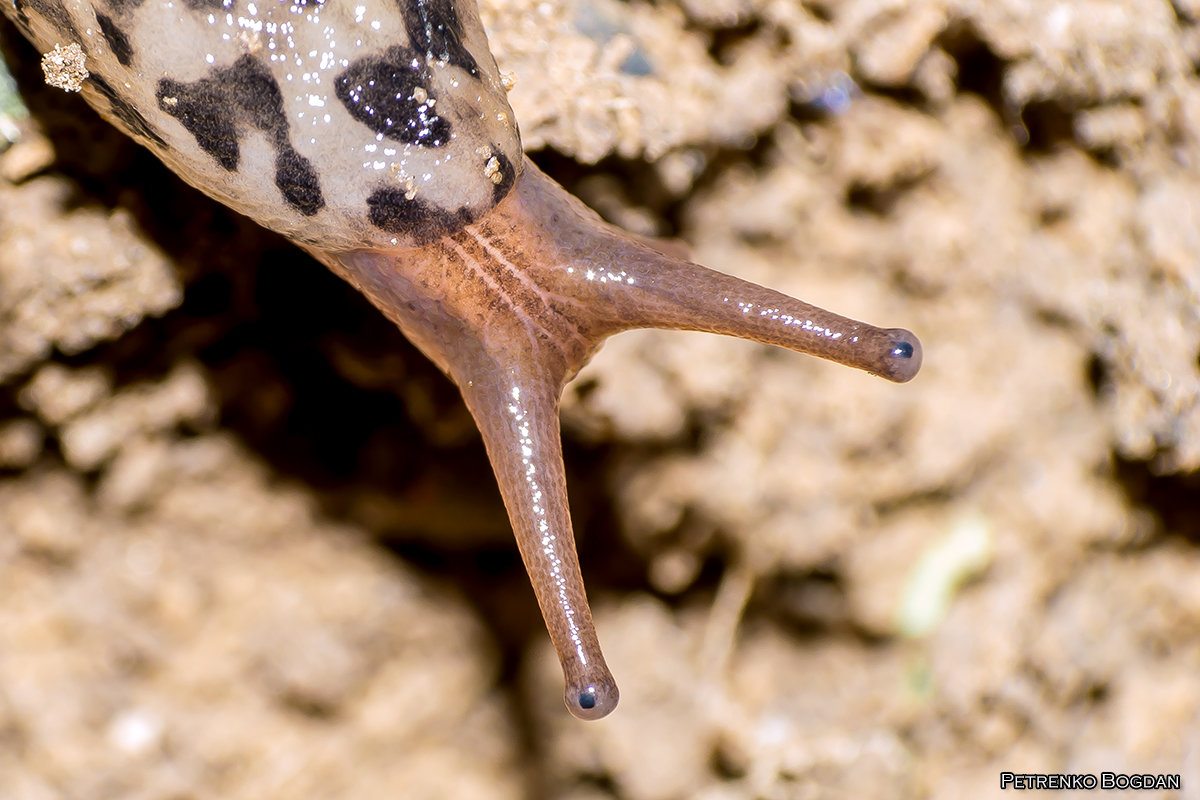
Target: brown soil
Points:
(250, 546)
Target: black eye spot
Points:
(904, 355)
(391, 95)
(118, 42)
(592, 700)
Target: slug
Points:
(377, 136)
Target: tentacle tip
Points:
(593, 700)
(902, 361)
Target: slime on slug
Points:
(378, 137)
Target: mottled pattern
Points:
(338, 123)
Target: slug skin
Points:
(512, 306)
(378, 137)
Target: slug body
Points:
(377, 136)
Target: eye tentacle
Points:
(517, 412)
(621, 282)
(680, 295)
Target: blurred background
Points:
(250, 545)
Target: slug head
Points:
(513, 305)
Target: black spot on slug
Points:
(203, 111)
(508, 175)
(391, 95)
(120, 6)
(211, 6)
(53, 11)
(254, 90)
(389, 210)
(22, 20)
(298, 182)
(434, 29)
(130, 117)
(211, 108)
(118, 42)
(216, 109)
